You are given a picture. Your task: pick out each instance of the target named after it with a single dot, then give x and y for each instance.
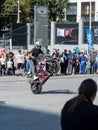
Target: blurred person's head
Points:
(9, 50)
(19, 51)
(87, 92)
(88, 88)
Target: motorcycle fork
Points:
(45, 79)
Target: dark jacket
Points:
(35, 52)
(85, 117)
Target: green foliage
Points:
(25, 14)
(1, 5)
(10, 12)
(10, 8)
(2, 23)
(63, 21)
(55, 7)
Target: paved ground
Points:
(20, 109)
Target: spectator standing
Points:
(70, 62)
(88, 67)
(66, 64)
(97, 63)
(9, 67)
(10, 55)
(20, 63)
(62, 63)
(3, 64)
(56, 54)
(80, 113)
(93, 59)
(26, 63)
(77, 66)
(73, 60)
(83, 60)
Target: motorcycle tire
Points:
(52, 66)
(36, 88)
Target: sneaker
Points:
(29, 72)
(35, 77)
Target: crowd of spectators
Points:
(71, 62)
(10, 63)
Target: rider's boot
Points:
(35, 77)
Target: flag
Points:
(68, 32)
(90, 39)
(64, 32)
(60, 32)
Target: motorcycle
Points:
(46, 67)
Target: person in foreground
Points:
(80, 113)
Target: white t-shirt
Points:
(20, 58)
(9, 64)
(3, 61)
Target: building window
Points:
(85, 10)
(71, 12)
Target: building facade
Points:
(73, 33)
(78, 12)
(80, 9)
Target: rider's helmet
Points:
(38, 44)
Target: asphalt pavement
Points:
(20, 109)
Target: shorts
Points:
(20, 66)
(88, 70)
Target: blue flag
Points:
(90, 39)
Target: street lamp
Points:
(90, 15)
(18, 15)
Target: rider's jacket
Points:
(35, 52)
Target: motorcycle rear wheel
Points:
(52, 66)
(36, 88)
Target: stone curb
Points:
(24, 78)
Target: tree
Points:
(1, 14)
(9, 9)
(55, 7)
(25, 11)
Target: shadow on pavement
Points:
(2, 103)
(14, 118)
(64, 91)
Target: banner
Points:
(64, 32)
(90, 39)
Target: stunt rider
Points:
(34, 53)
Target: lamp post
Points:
(90, 15)
(90, 35)
(18, 15)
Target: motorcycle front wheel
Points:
(36, 88)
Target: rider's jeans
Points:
(32, 67)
